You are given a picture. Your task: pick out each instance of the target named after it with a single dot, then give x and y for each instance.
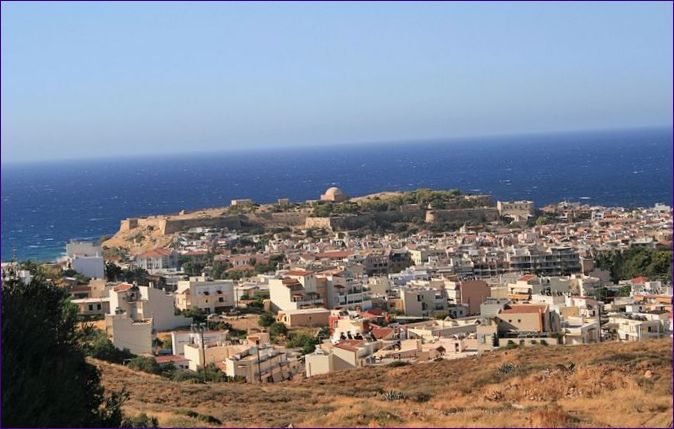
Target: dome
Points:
(334, 194)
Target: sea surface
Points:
(46, 204)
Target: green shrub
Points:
(145, 364)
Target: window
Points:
(519, 320)
(91, 307)
(221, 299)
(98, 306)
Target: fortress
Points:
(482, 209)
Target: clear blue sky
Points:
(110, 79)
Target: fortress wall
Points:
(407, 215)
(176, 225)
(280, 219)
(483, 214)
(318, 222)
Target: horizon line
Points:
(456, 139)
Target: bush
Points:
(393, 395)
(96, 344)
(197, 314)
(276, 329)
(140, 421)
(506, 368)
(145, 364)
(306, 342)
(266, 319)
(422, 397)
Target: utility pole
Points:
(259, 372)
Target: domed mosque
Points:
(335, 195)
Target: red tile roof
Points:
(299, 273)
(122, 287)
(350, 345)
(380, 333)
(155, 253)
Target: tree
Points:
(276, 329)
(46, 381)
(266, 319)
(197, 314)
(306, 342)
(112, 272)
(95, 343)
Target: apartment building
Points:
(296, 289)
(211, 296)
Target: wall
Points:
(127, 334)
(484, 214)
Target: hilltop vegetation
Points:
(604, 385)
(655, 264)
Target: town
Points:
(266, 293)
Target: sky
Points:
(84, 80)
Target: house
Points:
(181, 338)
(346, 354)
(294, 290)
(431, 329)
(178, 361)
(127, 333)
(212, 353)
(86, 258)
(89, 266)
(422, 302)
(156, 260)
(528, 318)
(259, 364)
(146, 303)
(211, 296)
(306, 317)
(472, 293)
(581, 330)
(92, 307)
(635, 328)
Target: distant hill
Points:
(603, 385)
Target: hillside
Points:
(605, 385)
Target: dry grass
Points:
(606, 387)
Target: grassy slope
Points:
(609, 386)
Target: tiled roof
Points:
(155, 252)
(350, 345)
(299, 273)
(122, 287)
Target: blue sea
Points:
(46, 204)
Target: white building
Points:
(211, 296)
(146, 303)
(295, 290)
(89, 266)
